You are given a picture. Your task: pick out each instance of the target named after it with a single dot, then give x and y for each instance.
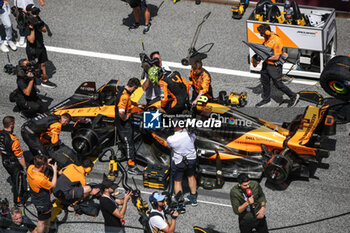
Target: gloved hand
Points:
(255, 60)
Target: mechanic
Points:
(22, 5)
(174, 90)
(200, 81)
(40, 187)
(12, 154)
(19, 222)
(151, 86)
(109, 207)
(35, 43)
(71, 184)
(158, 220)
(44, 126)
(137, 6)
(184, 161)
(26, 97)
(5, 19)
(250, 210)
(271, 71)
(123, 122)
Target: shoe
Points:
(4, 48)
(193, 199)
(146, 29)
(294, 101)
(134, 170)
(263, 103)
(48, 84)
(134, 26)
(12, 45)
(22, 41)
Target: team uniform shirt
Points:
(201, 83)
(173, 87)
(182, 145)
(40, 187)
(72, 176)
(9, 145)
(124, 104)
(157, 221)
(276, 44)
(153, 89)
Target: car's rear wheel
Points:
(278, 168)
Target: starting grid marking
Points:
(109, 56)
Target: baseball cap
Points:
(157, 197)
(109, 184)
(153, 73)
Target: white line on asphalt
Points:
(206, 202)
(238, 73)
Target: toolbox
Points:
(156, 176)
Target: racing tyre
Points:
(335, 78)
(277, 169)
(21, 187)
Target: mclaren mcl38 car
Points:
(235, 141)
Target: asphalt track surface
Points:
(317, 205)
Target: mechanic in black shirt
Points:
(109, 207)
(12, 154)
(44, 128)
(27, 98)
(35, 42)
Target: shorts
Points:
(138, 3)
(39, 53)
(178, 170)
(75, 193)
(44, 215)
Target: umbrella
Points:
(265, 52)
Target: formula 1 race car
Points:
(228, 143)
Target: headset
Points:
(264, 29)
(153, 201)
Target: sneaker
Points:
(12, 45)
(294, 101)
(263, 103)
(134, 26)
(48, 84)
(22, 41)
(146, 29)
(192, 198)
(4, 48)
(134, 170)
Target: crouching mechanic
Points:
(174, 90)
(11, 153)
(200, 80)
(184, 160)
(123, 122)
(71, 184)
(40, 187)
(158, 221)
(44, 126)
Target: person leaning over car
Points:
(250, 209)
(43, 128)
(11, 153)
(40, 188)
(200, 81)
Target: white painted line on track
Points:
(205, 202)
(238, 73)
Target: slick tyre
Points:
(20, 186)
(335, 78)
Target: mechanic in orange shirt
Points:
(174, 90)
(272, 71)
(200, 81)
(123, 122)
(44, 126)
(40, 188)
(71, 184)
(12, 154)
